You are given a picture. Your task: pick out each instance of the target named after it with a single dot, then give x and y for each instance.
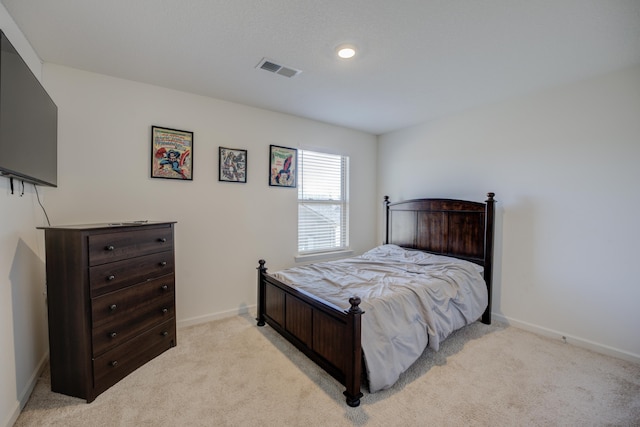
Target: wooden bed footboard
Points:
(327, 334)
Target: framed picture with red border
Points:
(283, 166)
(171, 153)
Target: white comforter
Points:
(410, 299)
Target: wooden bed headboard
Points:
(456, 228)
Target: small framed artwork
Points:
(171, 153)
(283, 166)
(232, 165)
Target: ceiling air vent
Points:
(268, 65)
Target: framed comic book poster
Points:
(171, 153)
(232, 165)
(283, 166)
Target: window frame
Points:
(343, 203)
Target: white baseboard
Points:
(549, 333)
(24, 396)
(14, 414)
(31, 384)
(215, 316)
(570, 339)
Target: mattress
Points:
(411, 299)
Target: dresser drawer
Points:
(114, 365)
(110, 247)
(127, 326)
(121, 304)
(117, 275)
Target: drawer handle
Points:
(113, 307)
(162, 240)
(165, 310)
(112, 335)
(165, 288)
(165, 333)
(111, 277)
(110, 248)
(114, 363)
(163, 263)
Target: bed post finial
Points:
(355, 305)
(490, 196)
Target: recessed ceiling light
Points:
(346, 51)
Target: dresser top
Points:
(107, 225)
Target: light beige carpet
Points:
(232, 373)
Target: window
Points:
(323, 207)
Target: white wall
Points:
(23, 327)
(223, 228)
(564, 165)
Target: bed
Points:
(337, 334)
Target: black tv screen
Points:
(28, 123)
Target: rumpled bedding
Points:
(411, 299)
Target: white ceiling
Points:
(417, 60)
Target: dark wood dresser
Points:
(111, 302)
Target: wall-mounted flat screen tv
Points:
(28, 122)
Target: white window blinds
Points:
(323, 208)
